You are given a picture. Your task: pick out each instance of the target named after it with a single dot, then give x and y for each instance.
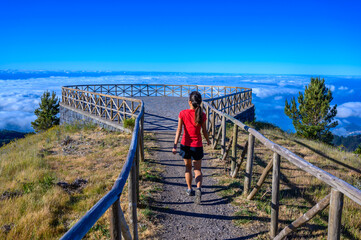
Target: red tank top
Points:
(192, 133)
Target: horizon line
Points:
(184, 72)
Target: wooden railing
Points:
(334, 199)
(111, 104)
(102, 106)
(159, 90)
(108, 107)
(232, 104)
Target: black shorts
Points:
(195, 153)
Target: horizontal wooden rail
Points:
(321, 205)
(110, 102)
(113, 108)
(89, 219)
(342, 186)
(132, 90)
(339, 187)
(232, 104)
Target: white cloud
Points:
(264, 92)
(18, 102)
(340, 123)
(346, 89)
(20, 97)
(331, 87)
(16, 120)
(340, 131)
(345, 121)
(349, 109)
(343, 88)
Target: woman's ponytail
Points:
(196, 99)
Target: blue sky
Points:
(285, 37)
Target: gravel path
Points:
(161, 113)
(180, 217)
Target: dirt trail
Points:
(181, 218)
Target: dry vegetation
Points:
(34, 205)
(299, 191)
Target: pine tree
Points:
(47, 112)
(313, 118)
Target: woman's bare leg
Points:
(188, 173)
(198, 172)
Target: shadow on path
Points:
(180, 217)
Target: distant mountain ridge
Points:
(349, 142)
(355, 133)
(7, 135)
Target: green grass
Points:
(30, 168)
(148, 213)
(245, 215)
(129, 123)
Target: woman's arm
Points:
(205, 133)
(177, 135)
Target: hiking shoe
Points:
(197, 200)
(190, 192)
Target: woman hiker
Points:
(191, 148)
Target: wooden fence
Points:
(110, 102)
(158, 90)
(232, 104)
(109, 107)
(216, 125)
(130, 170)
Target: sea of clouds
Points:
(20, 97)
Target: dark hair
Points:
(196, 99)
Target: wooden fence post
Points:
(223, 142)
(234, 147)
(136, 160)
(275, 194)
(249, 166)
(132, 198)
(142, 139)
(124, 110)
(115, 228)
(238, 165)
(213, 126)
(334, 216)
(261, 180)
(207, 121)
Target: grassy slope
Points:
(299, 191)
(31, 167)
